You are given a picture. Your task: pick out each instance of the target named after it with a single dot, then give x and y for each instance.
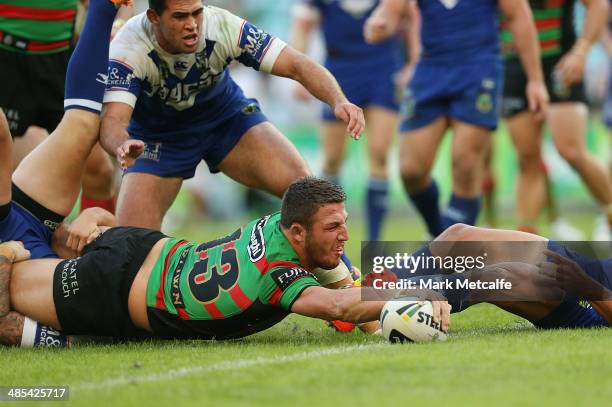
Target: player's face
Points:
(179, 26)
(326, 238)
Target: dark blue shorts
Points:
(470, 93)
(366, 87)
(29, 222)
(180, 156)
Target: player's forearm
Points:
(413, 33)
(113, 133)
(6, 265)
(594, 23)
(525, 36)
(351, 307)
(384, 21)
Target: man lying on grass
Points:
(134, 283)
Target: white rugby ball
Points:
(410, 321)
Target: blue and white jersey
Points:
(170, 92)
(342, 24)
(460, 30)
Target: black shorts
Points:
(515, 81)
(32, 89)
(91, 292)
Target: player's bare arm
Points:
(571, 66)
(521, 23)
(412, 34)
(304, 24)
(114, 136)
(347, 305)
(322, 85)
(6, 144)
(385, 20)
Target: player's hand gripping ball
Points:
(410, 321)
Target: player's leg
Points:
(333, 141)
(417, 149)
(22, 146)
(568, 124)
(98, 181)
(145, 198)
(526, 134)
(51, 174)
(265, 159)
(382, 125)
(31, 290)
(470, 144)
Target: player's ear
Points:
(298, 232)
(153, 16)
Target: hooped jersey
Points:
(554, 20)
(228, 288)
(174, 91)
(37, 27)
(342, 22)
(455, 31)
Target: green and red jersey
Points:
(554, 21)
(37, 27)
(227, 288)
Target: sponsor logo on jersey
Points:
(175, 289)
(257, 244)
(254, 41)
(285, 277)
(119, 76)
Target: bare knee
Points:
(414, 176)
(457, 232)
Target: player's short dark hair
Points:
(304, 197)
(158, 5)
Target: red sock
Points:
(108, 204)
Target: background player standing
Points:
(457, 85)
(563, 60)
(368, 74)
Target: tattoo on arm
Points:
(5, 276)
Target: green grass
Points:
(491, 358)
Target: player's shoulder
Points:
(217, 17)
(135, 36)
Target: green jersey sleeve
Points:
(283, 285)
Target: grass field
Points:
(491, 358)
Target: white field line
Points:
(217, 367)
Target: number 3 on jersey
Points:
(222, 276)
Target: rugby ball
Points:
(410, 321)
